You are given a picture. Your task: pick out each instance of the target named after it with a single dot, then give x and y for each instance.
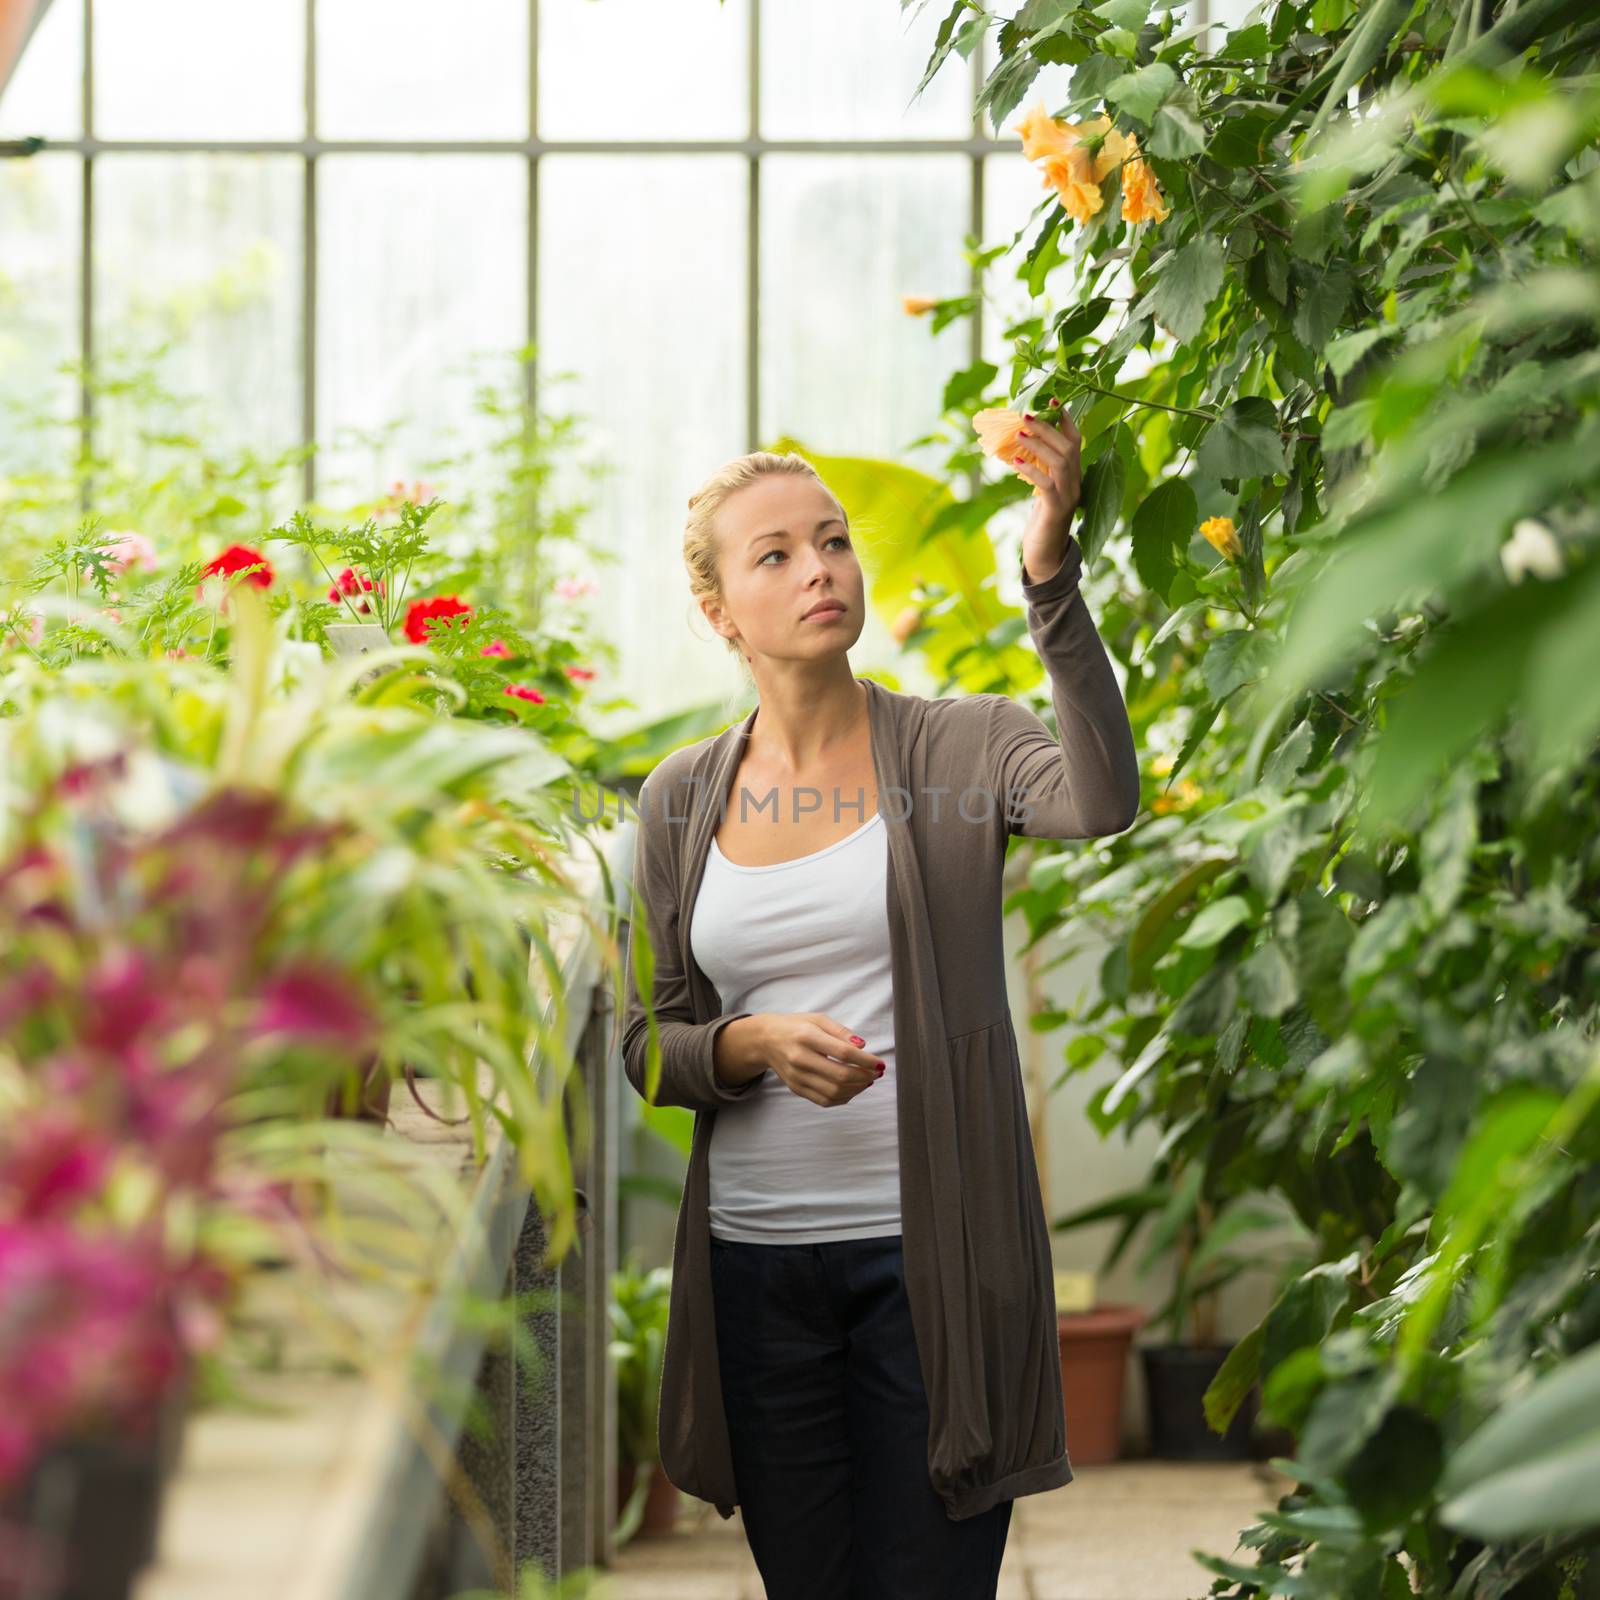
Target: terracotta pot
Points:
(1094, 1367)
(660, 1501)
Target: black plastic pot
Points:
(89, 1510)
(1176, 1376)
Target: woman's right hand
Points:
(817, 1057)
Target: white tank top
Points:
(811, 934)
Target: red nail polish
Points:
(1028, 415)
(857, 1039)
(882, 1065)
(1017, 460)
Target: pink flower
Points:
(498, 648)
(571, 588)
(579, 674)
(521, 691)
(52, 1162)
(313, 1005)
(127, 551)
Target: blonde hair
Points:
(701, 552)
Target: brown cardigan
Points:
(978, 1266)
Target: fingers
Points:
(1058, 441)
(1033, 472)
(841, 1043)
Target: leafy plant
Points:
(637, 1312)
(1333, 355)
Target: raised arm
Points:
(687, 1075)
(1085, 782)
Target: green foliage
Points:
(1351, 976)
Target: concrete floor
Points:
(1121, 1531)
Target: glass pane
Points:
(197, 69)
(1225, 16)
(411, 69)
(40, 215)
(199, 258)
(648, 348)
(841, 69)
(421, 271)
(641, 69)
(45, 94)
(844, 239)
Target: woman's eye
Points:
(843, 538)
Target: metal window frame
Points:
(753, 147)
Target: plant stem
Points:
(1128, 399)
(1239, 205)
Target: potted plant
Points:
(1196, 1234)
(646, 1498)
(95, 1373)
(1095, 1338)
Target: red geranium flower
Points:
(235, 559)
(421, 612)
(579, 674)
(349, 582)
(522, 692)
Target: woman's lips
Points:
(827, 614)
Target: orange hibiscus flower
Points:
(1141, 199)
(1000, 433)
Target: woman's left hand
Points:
(1044, 540)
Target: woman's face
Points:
(784, 550)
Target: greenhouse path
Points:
(1122, 1531)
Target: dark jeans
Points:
(828, 1420)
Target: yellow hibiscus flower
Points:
(1219, 533)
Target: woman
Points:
(861, 1344)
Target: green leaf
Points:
(1240, 141)
(1349, 426)
(968, 384)
(1267, 981)
(1162, 527)
(1103, 486)
(1040, 17)
(1560, 1490)
(1349, 348)
(1215, 922)
(1139, 93)
(1272, 848)
(1324, 294)
(1003, 91)
(1562, 1408)
(1232, 659)
(1186, 286)
(1243, 442)
(1448, 841)
(1466, 680)
(1176, 133)
(1368, 42)
(1381, 938)
(1125, 13)
(1077, 323)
